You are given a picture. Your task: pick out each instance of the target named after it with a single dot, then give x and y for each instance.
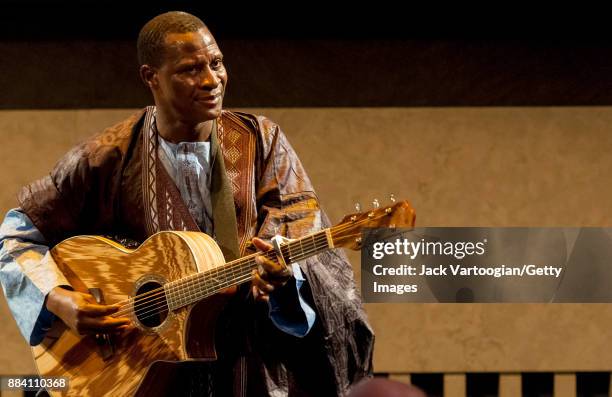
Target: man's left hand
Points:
(269, 275)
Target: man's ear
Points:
(148, 76)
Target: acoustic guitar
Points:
(173, 287)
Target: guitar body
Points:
(118, 368)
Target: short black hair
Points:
(150, 45)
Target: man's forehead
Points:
(192, 41)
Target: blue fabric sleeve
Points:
(19, 238)
(288, 309)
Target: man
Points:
(185, 164)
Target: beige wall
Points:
(458, 167)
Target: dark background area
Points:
(65, 54)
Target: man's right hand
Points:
(82, 314)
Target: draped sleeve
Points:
(288, 205)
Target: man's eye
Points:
(190, 70)
(216, 64)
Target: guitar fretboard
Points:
(198, 286)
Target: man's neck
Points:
(177, 131)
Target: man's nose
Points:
(209, 78)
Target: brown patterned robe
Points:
(113, 184)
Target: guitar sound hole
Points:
(150, 306)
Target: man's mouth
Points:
(210, 99)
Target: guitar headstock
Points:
(348, 232)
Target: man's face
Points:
(192, 78)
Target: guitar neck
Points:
(198, 286)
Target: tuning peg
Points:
(392, 198)
(358, 207)
(375, 204)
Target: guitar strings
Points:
(198, 287)
(152, 309)
(194, 280)
(237, 264)
(168, 289)
(167, 309)
(206, 289)
(162, 308)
